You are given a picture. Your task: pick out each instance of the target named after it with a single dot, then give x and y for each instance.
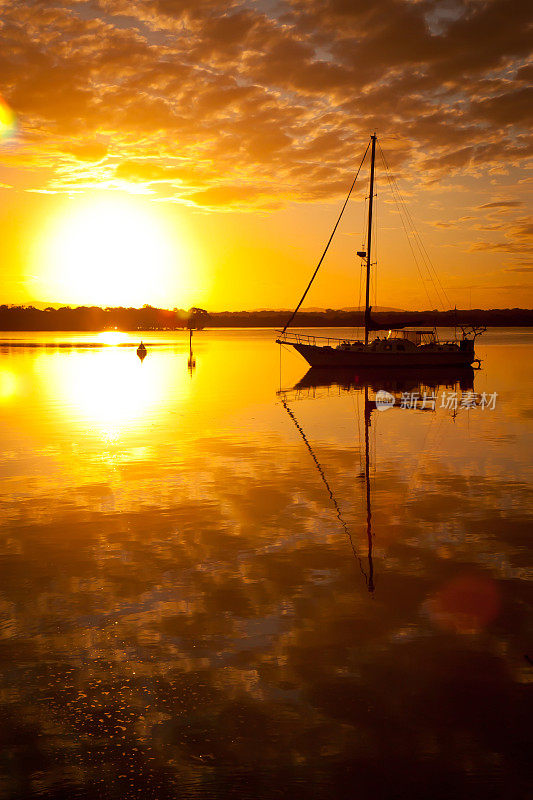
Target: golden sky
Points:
(179, 153)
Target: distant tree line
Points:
(93, 318)
(147, 318)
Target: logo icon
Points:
(384, 400)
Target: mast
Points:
(369, 240)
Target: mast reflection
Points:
(368, 381)
(333, 499)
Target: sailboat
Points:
(399, 347)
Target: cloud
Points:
(234, 100)
(88, 151)
(228, 196)
(525, 73)
(502, 204)
(510, 108)
(153, 172)
(518, 237)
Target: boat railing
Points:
(420, 337)
(312, 339)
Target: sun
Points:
(113, 252)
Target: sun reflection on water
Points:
(8, 385)
(109, 389)
(113, 337)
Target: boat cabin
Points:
(417, 337)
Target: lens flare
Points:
(466, 604)
(8, 121)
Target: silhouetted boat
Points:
(399, 347)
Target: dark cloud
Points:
(509, 108)
(502, 204)
(525, 73)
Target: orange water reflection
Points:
(182, 613)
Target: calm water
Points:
(202, 595)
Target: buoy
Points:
(141, 351)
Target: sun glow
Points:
(108, 389)
(113, 337)
(114, 252)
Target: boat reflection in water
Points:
(391, 380)
(398, 385)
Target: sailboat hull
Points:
(327, 357)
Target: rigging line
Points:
(400, 214)
(365, 225)
(290, 351)
(428, 264)
(327, 246)
(402, 207)
(377, 219)
(424, 253)
(431, 266)
(430, 269)
(359, 299)
(411, 239)
(403, 219)
(418, 259)
(326, 484)
(361, 263)
(407, 221)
